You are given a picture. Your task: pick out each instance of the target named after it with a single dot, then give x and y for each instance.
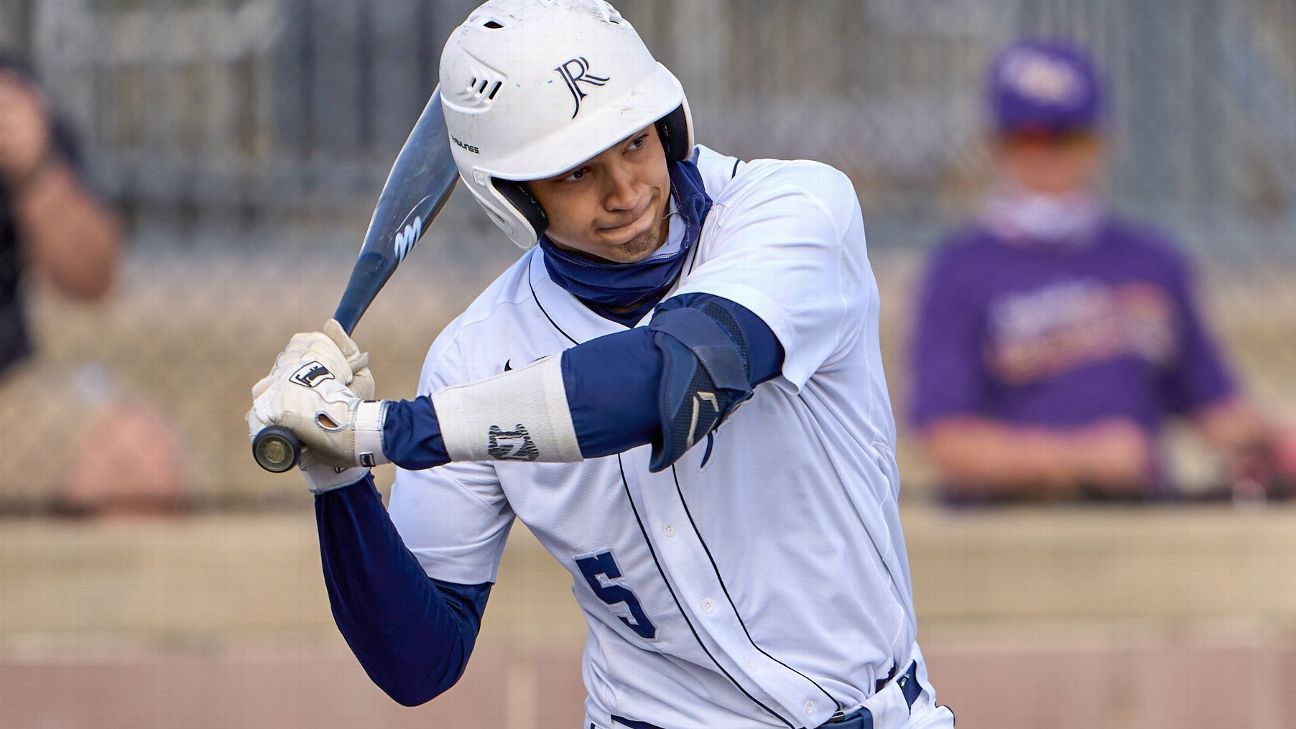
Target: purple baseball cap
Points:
(1045, 87)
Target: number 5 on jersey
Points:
(601, 572)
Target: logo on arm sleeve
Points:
(511, 445)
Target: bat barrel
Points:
(276, 448)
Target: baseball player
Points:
(738, 566)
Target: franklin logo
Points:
(511, 445)
(311, 374)
(576, 72)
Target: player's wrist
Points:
(367, 423)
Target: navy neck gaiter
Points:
(624, 292)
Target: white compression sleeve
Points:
(517, 416)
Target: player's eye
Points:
(638, 142)
(576, 175)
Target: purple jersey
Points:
(1056, 335)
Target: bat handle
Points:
(276, 448)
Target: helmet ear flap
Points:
(676, 132)
(524, 202)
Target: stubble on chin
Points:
(644, 244)
(641, 246)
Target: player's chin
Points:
(633, 249)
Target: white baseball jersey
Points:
(768, 586)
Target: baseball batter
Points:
(738, 566)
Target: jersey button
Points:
(809, 707)
(708, 605)
(668, 530)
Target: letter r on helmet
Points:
(574, 72)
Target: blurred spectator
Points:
(1055, 338)
(70, 439)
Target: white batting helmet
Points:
(533, 88)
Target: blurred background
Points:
(243, 144)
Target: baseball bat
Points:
(420, 182)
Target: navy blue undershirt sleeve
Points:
(412, 634)
(612, 381)
(611, 385)
(412, 435)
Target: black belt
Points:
(859, 719)
(862, 718)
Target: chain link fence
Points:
(244, 142)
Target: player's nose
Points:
(621, 193)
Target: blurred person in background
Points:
(69, 439)
(1054, 338)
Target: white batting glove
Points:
(321, 477)
(320, 388)
(358, 377)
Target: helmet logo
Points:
(574, 72)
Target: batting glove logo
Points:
(311, 375)
(575, 72)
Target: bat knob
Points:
(276, 448)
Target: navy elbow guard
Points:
(705, 376)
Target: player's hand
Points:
(362, 381)
(321, 389)
(25, 144)
(359, 379)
